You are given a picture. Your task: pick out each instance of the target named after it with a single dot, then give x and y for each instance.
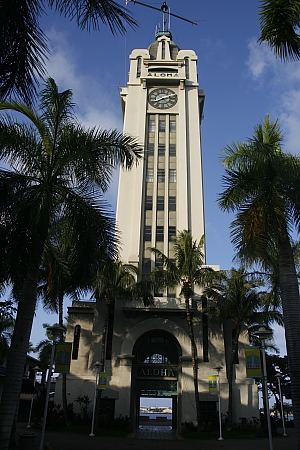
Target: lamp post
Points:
(219, 368)
(97, 365)
(55, 330)
(35, 369)
(262, 335)
(278, 376)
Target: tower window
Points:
(159, 233)
(163, 50)
(151, 124)
(161, 175)
(76, 340)
(172, 176)
(160, 203)
(161, 149)
(162, 124)
(172, 232)
(148, 203)
(172, 149)
(151, 149)
(187, 68)
(138, 67)
(146, 266)
(147, 233)
(172, 203)
(172, 124)
(149, 176)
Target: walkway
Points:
(154, 432)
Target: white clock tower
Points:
(162, 106)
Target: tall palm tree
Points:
(279, 25)
(185, 269)
(262, 185)
(238, 296)
(57, 168)
(6, 329)
(23, 45)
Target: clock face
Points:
(162, 98)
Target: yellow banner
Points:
(253, 362)
(63, 357)
(102, 380)
(212, 383)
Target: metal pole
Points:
(94, 404)
(47, 396)
(267, 411)
(220, 417)
(31, 403)
(281, 405)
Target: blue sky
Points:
(242, 82)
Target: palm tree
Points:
(23, 45)
(279, 25)
(58, 169)
(6, 328)
(238, 296)
(262, 185)
(185, 269)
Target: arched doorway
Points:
(156, 375)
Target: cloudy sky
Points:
(242, 81)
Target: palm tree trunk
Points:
(64, 375)
(17, 357)
(291, 310)
(230, 374)
(186, 289)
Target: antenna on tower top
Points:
(164, 8)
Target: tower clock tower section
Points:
(162, 106)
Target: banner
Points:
(213, 383)
(102, 380)
(253, 362)
(63, 357)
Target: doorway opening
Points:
(157, 411)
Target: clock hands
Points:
(158, 98)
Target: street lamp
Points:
(262, 335)
(278, 376)
(35, 369)
(97, 365)
(55, 330)
(219, 368)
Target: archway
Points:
(156, 374)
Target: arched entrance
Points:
(156, 374)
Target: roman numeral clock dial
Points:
(162, 98)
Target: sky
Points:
(243, 82)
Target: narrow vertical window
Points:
(205, 330)
(110, 330)
(159, 233)
(149, 176)
(187, 68)
(138, 67)
(160, 175)
(76, 340)
(147, 233)
(172, 176)
(151, 124)
(160, 203)
(163, 50)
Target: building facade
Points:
(148, 348)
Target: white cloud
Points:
(260, 59)
(95, 108)
(282, 80)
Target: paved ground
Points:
(144, 439)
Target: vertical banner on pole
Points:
(212, 383)
(63, 357)
(102, 380)
(253, 362)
